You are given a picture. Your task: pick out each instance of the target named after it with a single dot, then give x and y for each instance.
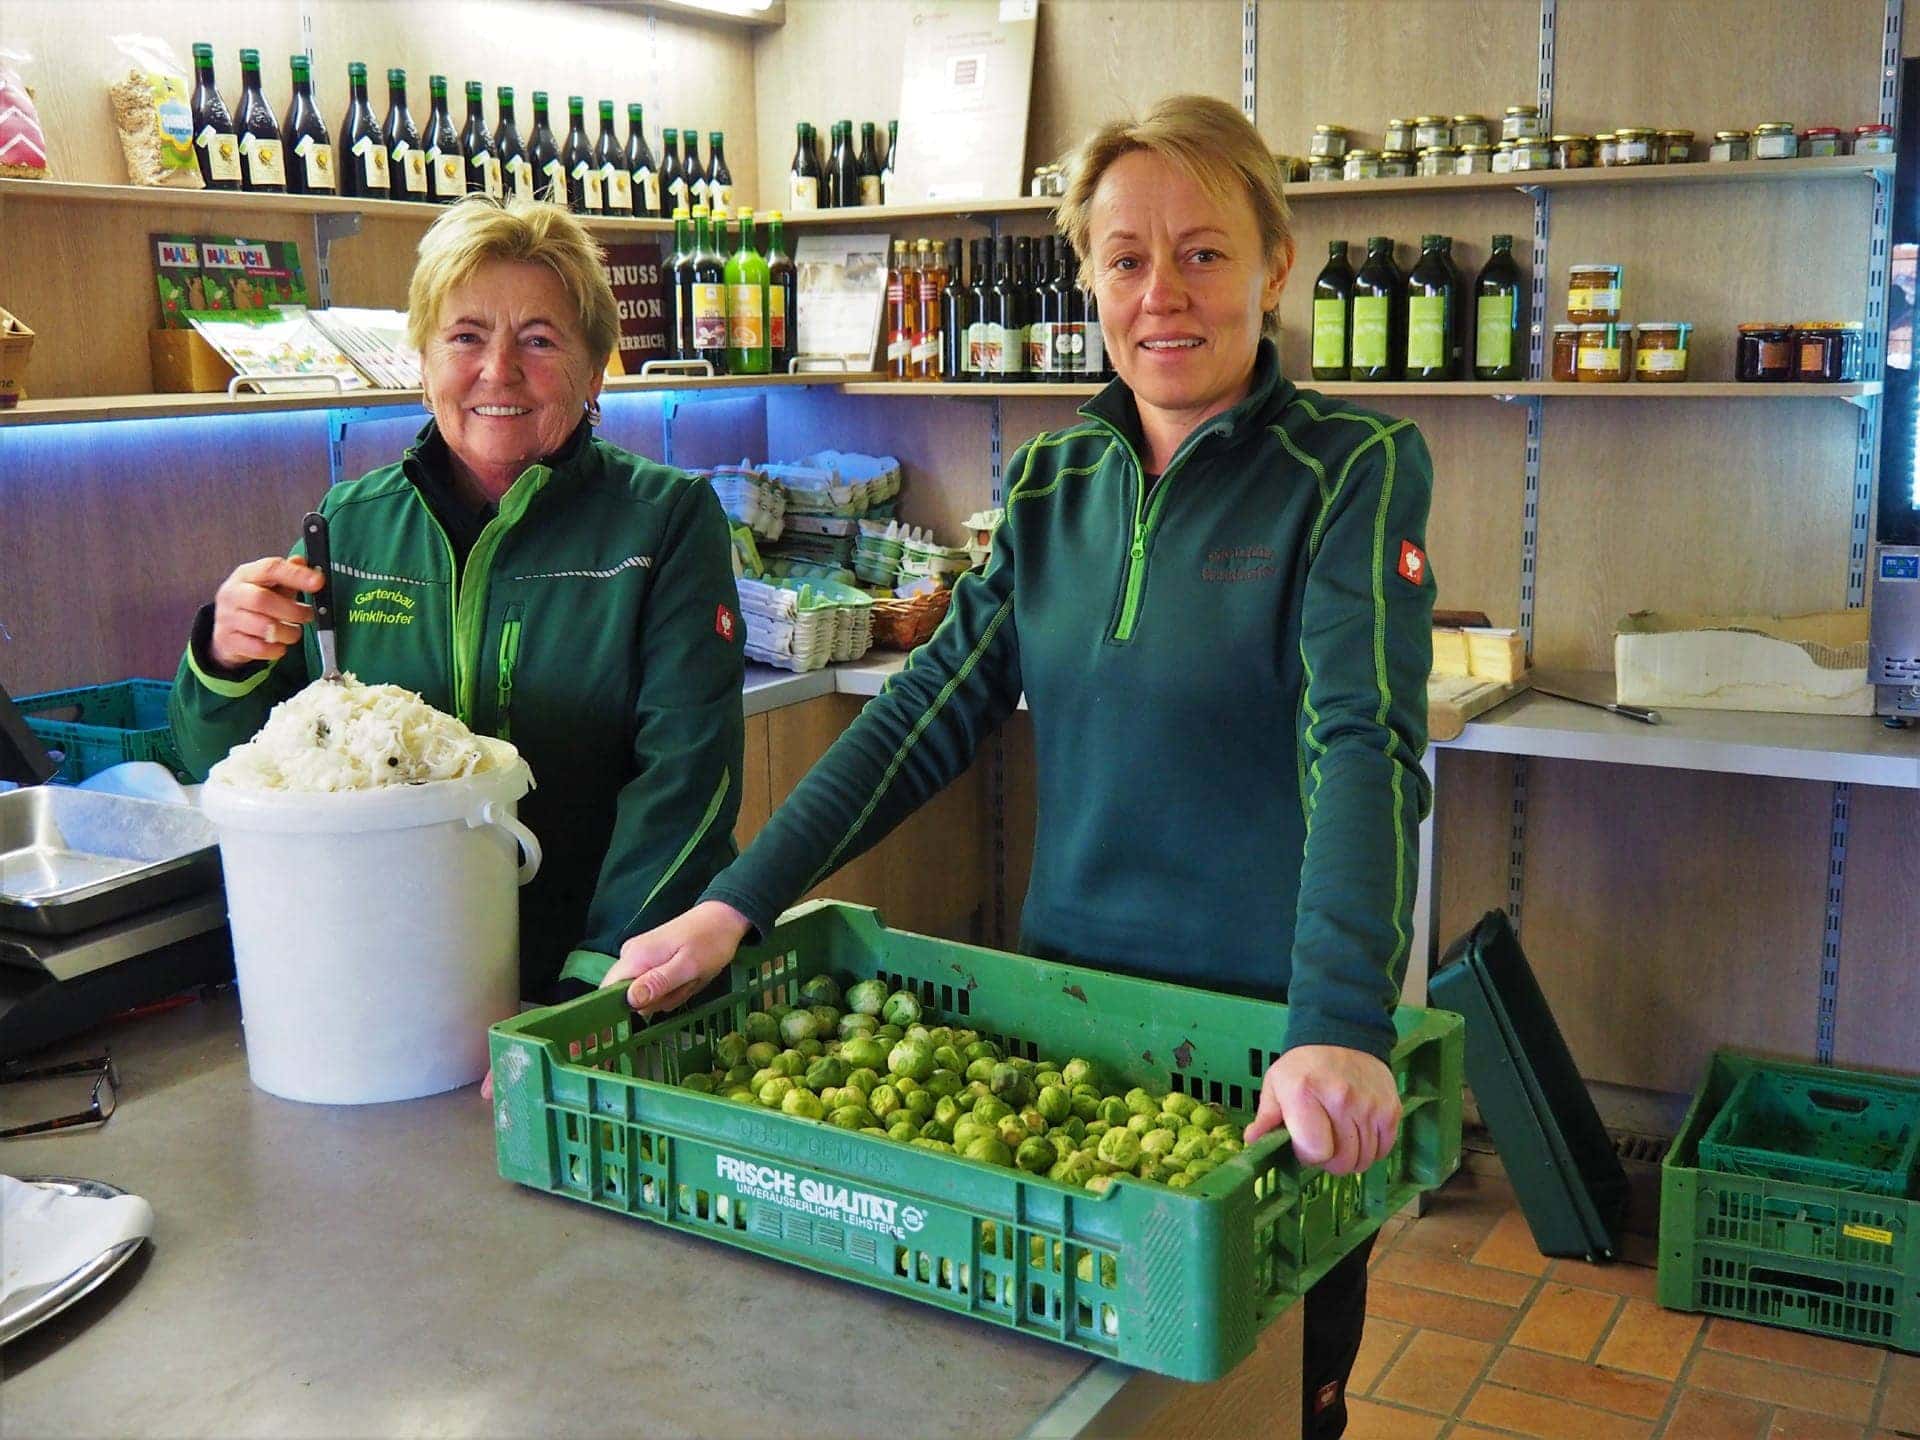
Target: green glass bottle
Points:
(1431, 301)
(1379, 314)
(709, 296)
(747, 275)
(1500, 305)
(1333, 315)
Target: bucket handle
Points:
(494, 813)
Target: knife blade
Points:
(1632, 712)
(320, 557)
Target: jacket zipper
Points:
(1146, 513)
(509, 657)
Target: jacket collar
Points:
(1114, 406)
(429, 454)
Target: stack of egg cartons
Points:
(922, 557)
(786, 625)
(876, 553)
(750, 498)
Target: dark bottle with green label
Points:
(1333, 315)
(1500, 305)
(215, 143)
(1433, 296)
(263, 163)
(1379, 314)
(363, 154)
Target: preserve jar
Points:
(1437, 160)
(1399, 136)
(1431, 130)
(1503, 156)
(1873, 139)
(1821, 142)
(1660, 351)
(1326, 170)
(1522, 122)
(1362, 165)
(1329, 142)
(1396, 164)
(1566, 351)
(1728, 145)
(1474, 160)
(1765, 352)
(1635, 146)
(1775, 141)
(1593, 293)
(1674, 147)
(1572, 152)
(1471, 130)
(1606, 351)
(1535, 154)
(1606, 148)
(1828, 350)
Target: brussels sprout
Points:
(1074, 1126)
(1205, 1116)
(1035, 1156)
(967, 1130)
(920, 1033)
(991, 1108)
(830, 1097)
(1179, 1180)
(1010, 1130)
(883, 1100)
(927, 1143)
(978, 1089)
(1075, 1169)
(761, 1052)
(1141, 1102)
(798, 1025)
(1225, 1130)
(730, 1050)
(913, 1058)
(760, 1077)
(779, 1012)
(827, 1070)
(879, 1130)
(981, 1069)
(761, 1026)
(1195, 1132)
(867, 997)
(889, 1034)
(1231, 1145)
(945, 1057)
(1114, 1111)
(903, 1130)
(1078, 1072)
(990, 1149)
(863, 1078)
(1095, 1129)
(1099, 1184)
(1188, 1148)
(742, 1095)
(1139, 1124)
(1054, 1103)
(1153, 1172)
(905, 1084)
(851, 1117)
(811, 1048)
(790, 1062)
(853, 1025)
(936, 1129)
(821, 990)
(941, 1035)
(775, 1091)
(945, 1082)
(1121, 1148)
(739, 1074)
(1197, 1168)
(902, 1008)
(1035, 1122)
(1011, 1085)
(1086, 1107)
(1156, 1143)
(700, 1080)
(981, 1050)
(803, 1103)
(1048, 1075)
(864, 1053)
(918, 1104)
(947, 1110)
(1178, 1104)
(829, 1018)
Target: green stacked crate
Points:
(95, 727)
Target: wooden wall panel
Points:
(112, 536)
(1877, 1019)
(756, 781)
(1474, 797)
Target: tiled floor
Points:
(1473, 1335)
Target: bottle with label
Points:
(1431, 301)
(642, 174)
(1097, 365)
(803, 175)
(1460, 353)
(576, 158)
(956, 314)
(680, 288)
(516, 170)
(1379, 314)
(709, 301)
(932, 278)
(1006, 317)
(543, 154)
(304, 140)
(363, 154)
(406, 161)
(868, 173)
(1040, 320)
(900, 314)
(1068, 346)
(783, 297)
(695, 169)
(982, 257)
(216, 144)
(843, 168)
(748, 351)
(616, 182)
(719, 177)
(1333, 315)
(887, 197)
(673, 180)
(263, 165)
(1500, 303)
(483, 163)
(446, 161)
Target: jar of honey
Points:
(1566, 352)
(1605, 353)
(1593, 294)
(1660, 351)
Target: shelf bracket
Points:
(327, 228)
(1830, 930)
(1249, 58)
(338, 419)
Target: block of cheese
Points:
(1801, 664)
(1450, 652)
(1496, 654)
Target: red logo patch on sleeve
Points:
(723, 622)
(1413, 563)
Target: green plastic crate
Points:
(1850, 1132)
(1802, 1254)
(98, 726)
(1180, 1282)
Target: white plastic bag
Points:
(153, 113)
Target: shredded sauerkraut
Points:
(342, 735)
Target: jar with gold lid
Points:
(1828, 351)
(1399, 136)
(1522, 122)
(1660, 351)
(1565, 353)
(1765, 352)
(1606, 146)
(1395, 164)
(1605, 354)
(1322, 170)
(1471, 130)
(1873, 139)
(1329, 142)
(1429, 130)
(1503, 156)
(1593, 292)
(1474, 160)
(1572, 151)
(1361, 165)
(1729, 145)
(1535, 154)
(1674, 147)
(1775, 140)
(1437, 160)
(1635, 146)
(1822, 142)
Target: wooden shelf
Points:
(964, 390)
(81, 408)
(1838, 167)
(1419, 389)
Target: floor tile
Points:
(1368, 1421)
(1456, 1277)
(1790, 1347)
(1434, 1372)
(1566, 1321)
(1780, 1385)
(1650, 1341)
(1460, 1216)
(1582, 1384)
(1464, 1431)
(1703, 1415)
(1637, 1282)
(1798, 1425)
(1430, 1310)
(1509, 1246)
(1547, 1418)
(1900, 1409)
(1378, 1342)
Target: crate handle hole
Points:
(1830, 1100)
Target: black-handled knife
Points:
(320, 557)
(1631, 712)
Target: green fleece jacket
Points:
(1226, 671)
(595, 625)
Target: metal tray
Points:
(73, 859)
(52, 1301)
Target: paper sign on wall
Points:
(964, 93)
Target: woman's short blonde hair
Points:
(479, 229)
(1209, 140)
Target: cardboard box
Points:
(1798, 664)
(16, 349)
(183, 362)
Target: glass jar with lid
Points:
(1522, 122)
(1503, 156)
(1437, 160)
(1429, 130)
(1605, 354)
(1329, 142)
(1474, 160)
(1572, 151)
(1535, 154)
(1828, 350)
(1822, 142)
(1729, 145)
(1566, 353)
(1660, 351)
(1873, 139)
(1765, 352)
(1471, 130)
(1775, 140)
(1606, 146)
(1322, 170)
(1593, 293)
(1362, 165)
(1395, 164)
(1636, 146)
(1399, 136)
(1674, 147)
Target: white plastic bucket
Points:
(376, 933)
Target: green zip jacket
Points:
(1227, 677)
(595, 625)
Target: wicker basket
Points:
(903, 624)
